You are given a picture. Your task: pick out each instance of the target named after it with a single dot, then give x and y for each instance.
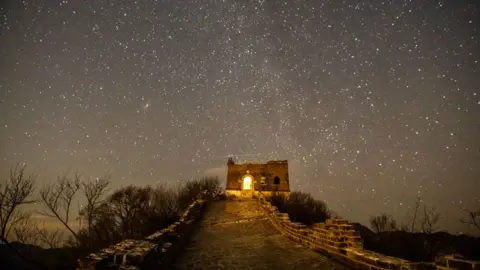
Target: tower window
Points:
(276, 180)
(247, 182)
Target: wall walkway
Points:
(252, 234)
(236, 234)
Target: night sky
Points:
(372, 102)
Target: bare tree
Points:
(473, 218)
(165, 201)
(94, 191)
(16, 192)
(127, 203)
(104, 225)
(25, 230)
(418, 201)
(429, 220)
(383, 223)
(425, 220)
(58, 199)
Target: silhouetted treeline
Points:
(301, 207)
(417, 246)
(417, 239)
(129, 212)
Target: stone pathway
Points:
(236, 235)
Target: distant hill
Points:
(420, 246)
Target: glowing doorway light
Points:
(247, 183)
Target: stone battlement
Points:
(339, 240)
(155, 251)
(251, 222)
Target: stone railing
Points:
(157, 250)
(339, 240)
(451, 262)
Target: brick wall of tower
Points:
(269, 170)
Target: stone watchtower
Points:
(248, 178)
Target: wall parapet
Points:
(156, 250)
(338, 239)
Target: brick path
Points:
(235, 235)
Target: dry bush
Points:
(206, 188)
(301, 207)
(383, 223)
(473, 219)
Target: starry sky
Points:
(372, 102)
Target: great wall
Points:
(250, 233)
(245, 231)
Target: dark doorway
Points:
(276, 180)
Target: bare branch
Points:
(415, 212)
(93, 190)
(58, 198)
(383, 223)
(430, 219)
(51, 239)
(16, 192)
(24, 229)
(473, 218)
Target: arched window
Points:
(247, 182)
(276, 180)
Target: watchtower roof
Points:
(271, 162)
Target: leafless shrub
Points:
(301, 207)
(165, 201)
(383, 223)
(205, 188)
(473, 218)
(424, 221)
(429, 220)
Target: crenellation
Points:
(155, 250)
(341, 241)
(336, 237)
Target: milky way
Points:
(372, 102)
